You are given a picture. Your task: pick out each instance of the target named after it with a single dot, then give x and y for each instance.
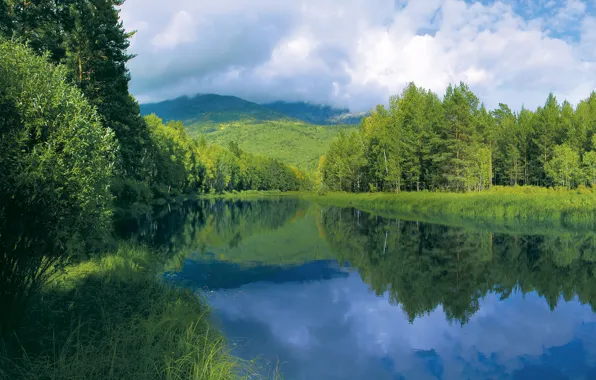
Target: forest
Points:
(74, 145)
(422, 142)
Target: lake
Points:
(321, 292)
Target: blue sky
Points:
(356, 53)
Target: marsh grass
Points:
(113, 318)
(503, 207)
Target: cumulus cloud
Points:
(338, 329)
(356, 53)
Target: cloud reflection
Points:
(338, 329)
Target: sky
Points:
(357, 53)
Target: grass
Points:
(293, 142)
(113, 318)
(503, 209)
(501, 206)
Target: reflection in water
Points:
(419, 301)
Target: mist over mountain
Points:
(316, 113)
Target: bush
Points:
(57, 162)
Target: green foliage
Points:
(89, 39)
(57, 162)
(193, 166)
(292, 142)
(564, 167)
(516, 206)
(421, 142)
(255, 128)
(422, 266)
(111, 318)
(346, 156)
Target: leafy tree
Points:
(88, 37)
(546, 130)
(412, 112)
(589, 162)
(57, 162)
(343, 163)
(564, 168)
(478, 168)
(508, 162)
(459, 131)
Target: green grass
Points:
(506, 209)
(113, 318)
(511, 207)
(293, 142)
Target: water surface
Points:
(329, 293)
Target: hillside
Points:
(315, 113)
(210, 108)
(293, 142)
(257, 128)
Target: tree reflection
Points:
(422, 266)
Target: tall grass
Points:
(509, 206)
(113, 318)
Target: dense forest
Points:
(421, 142)
(73, 145)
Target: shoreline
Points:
(111, 317)
(505, 209)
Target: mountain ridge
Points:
(209, 108)
(321, 114)
(217, 108)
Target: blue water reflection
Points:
(338, 329)
(418, 300)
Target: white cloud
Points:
(358, 52)
(180, 30)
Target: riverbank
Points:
(505, 206)
(502, 207)
(113, 318)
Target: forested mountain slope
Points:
(257, 129)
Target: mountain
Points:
(315, 113)
(210, 108)
(280, 130)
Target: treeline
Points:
(421, 142)
(195, 166)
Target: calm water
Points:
(328, 293)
